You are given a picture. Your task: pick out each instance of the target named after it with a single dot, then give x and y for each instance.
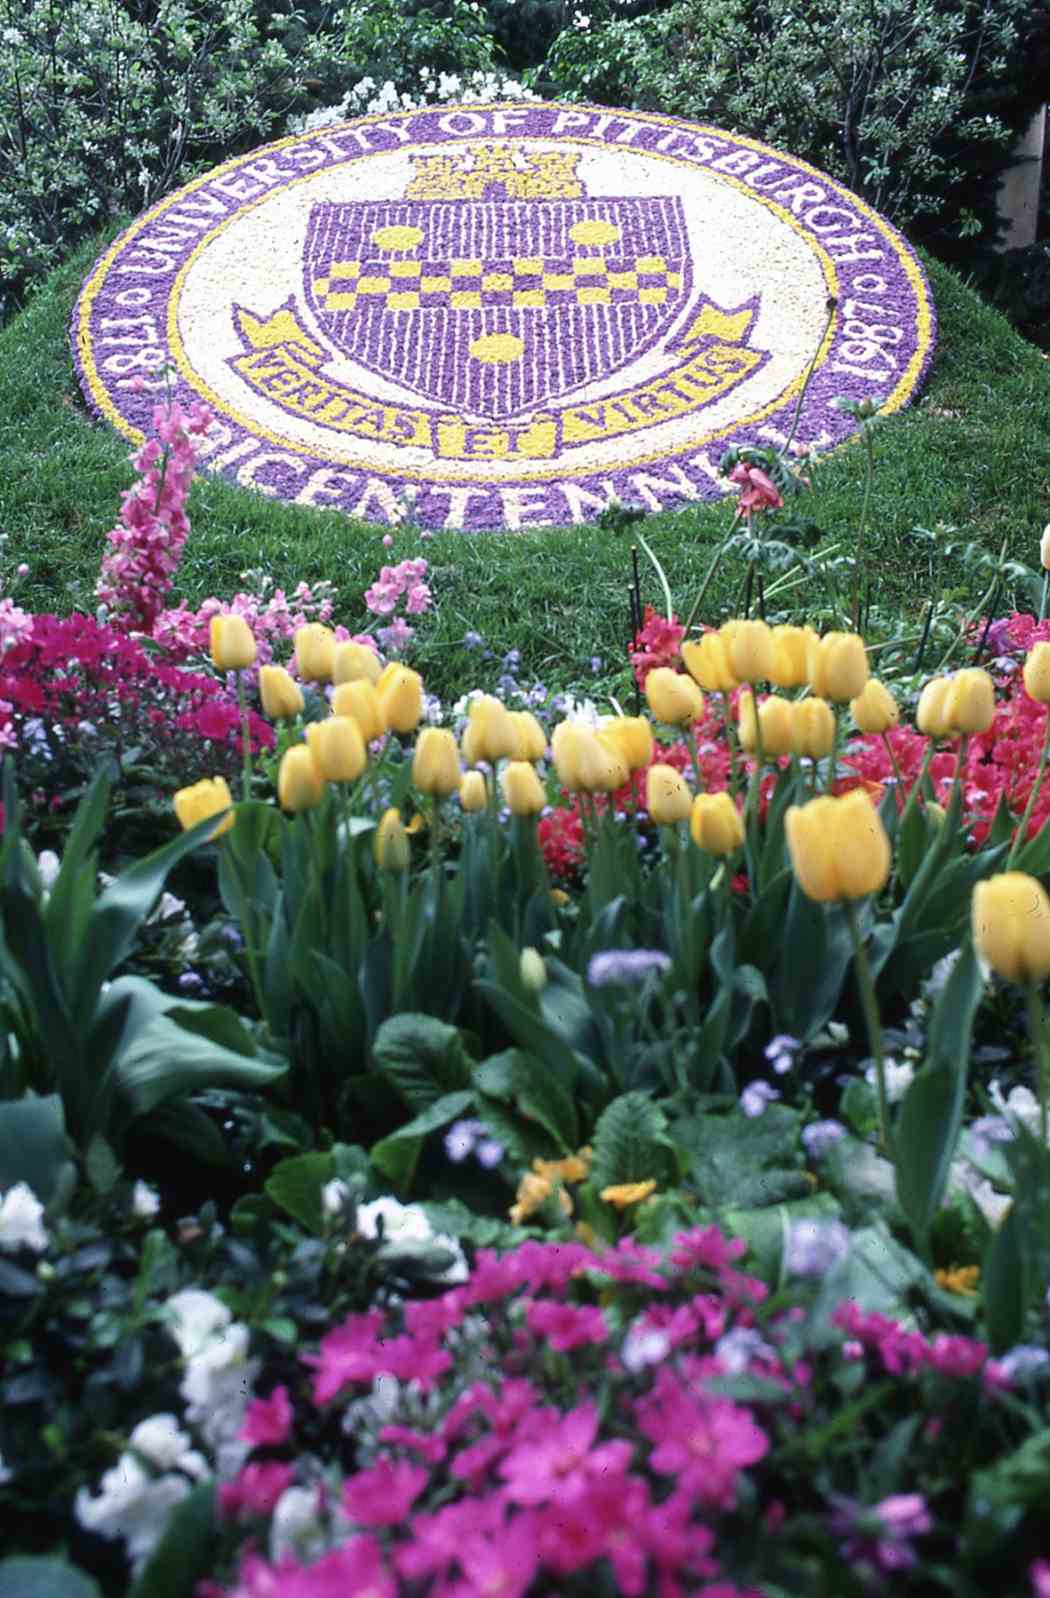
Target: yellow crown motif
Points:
(483, 172)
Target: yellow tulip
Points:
(400, 691)
(790, 646)
(715, 823)
(775, 722)
(931, 715)
(673, 697)
(490, 734)
(837, 666)
(582, 761)
(532, 969)
(667, 796)
(812, 728)
(435, 764)
(203, 799)
(523, 792)
(532, 740)
(970, 703)
(315, 652)
(838, 847)
(1011, 926)
(392, 848)
(300, 782)
(280, 693)
(630, 737)
(338, 748)
(473, 791)
(355, 663)
(750, 650)
(232, 643)
(1044, 548)
(874, 709)
(707, 662)
(1037, 673)
(360, 701)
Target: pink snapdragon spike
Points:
(758, 490)
(146, 546)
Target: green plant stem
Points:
(834, 756)
(1022, 826)
(734, 779)
(246, 742)
(873, 1022)
(694, 756)
(831, 309)
(1037, 1032)
(896, 771)
(858, 560)
(975, 612)
(755, 785)
(705, 585)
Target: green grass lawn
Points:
(972, 455)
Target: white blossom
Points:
(145, 1201)
(296, 1528)
(21, 1220)
(899, 1078)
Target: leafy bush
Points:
(907, 103)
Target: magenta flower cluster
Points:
(146, 545)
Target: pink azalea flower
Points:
(383, 1495)
(348, 1354)
(705, 1247)
(704, 1442)
(566, 1326)
(267, 1420)
(957, 1356)
(1039, 1576)
(256, 1490)
(500, 1564)
(555, 1464)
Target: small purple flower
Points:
(512, 660)
(756, 1097)
(877, 1536)
(460, 1140)
(596, 664)
(190, 982)
(780, 1052)
(820, 1136)
(472, 640)
(813, 1247)
(988, 1130)
(621, 968)
(489, 1153)
(738, 1348)
(1024, 1362)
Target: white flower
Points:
(145, 1201)
(207, 1377)
(296, 1528)
(334, 1195)
(165, 1446)
(402, 1223)
(132, 1505)
(994, 1206)
(899, 1078)
(21, 1223)
(739, 1347)
(196, 1318)
(456, 1271)
(644, 1345)
(1021, 1105)
(49, 865)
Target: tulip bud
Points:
(1011, 926)
(775, 723)
(355, 663)
(838, 847)
(667, 797)
(232, 643)
(812, 728)
(532, 740)
(930, 716)
(750, 650)
(707, 662)
(1037, 674)
(715, 823)
(1044, 548)
(338, 748)
(315, 652)
(490, 734)
(203, 799)
(300, 783)
(473, 791)
(360, 701)
(673, 697)
(532, 969)
(392, 848)
(629, 737)
(523, 792)
(970, 702)
(583, 762)
(790, 645)
(280, 694)
(874, 709)
(400, 691)
(435, 764)
(837, 666)
(935, 814)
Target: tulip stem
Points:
(896, 772)
(873, 1022)
(694, 756)
(858, 558)
(755, 786)
(833, 757)
(731, 742)
(1021, 835)
(1037, 1032)
(246, 742)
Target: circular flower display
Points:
(504, 316)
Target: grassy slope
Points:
(973, 454)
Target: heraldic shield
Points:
(497, 306)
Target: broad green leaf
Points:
(34, 1147)
(741, 1161)
(631, 1143)
(815, 952)
(397, 1154)
(25, 1576)
(295, 1186)
(424, 1058)
(217, 1023)
(930, 1118)
(536, 1094)
(186, 1552)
